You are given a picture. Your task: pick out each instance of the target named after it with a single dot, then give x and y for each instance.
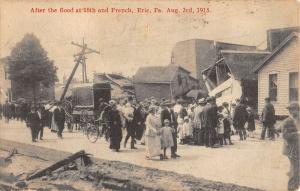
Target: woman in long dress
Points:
(115, 125)
(152, 135)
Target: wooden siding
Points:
(286, 61)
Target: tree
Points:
(30, 67)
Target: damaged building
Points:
(121, 86)
(226, 70)
(196, 55)
(231, 77)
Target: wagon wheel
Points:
(92, 133)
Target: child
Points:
(227, 123)
(185, 131)
(220, 129)
(166, 137)
(250, 122)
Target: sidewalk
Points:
(252, 163)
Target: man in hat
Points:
(268, 119)
(198, 130)
(290, 133)
(129, 114)
(6, 111)
(210, 121)
(240, 118)
(102, 105)
(34, 122)
(59, 118)
(169, 114)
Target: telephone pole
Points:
(79, 59)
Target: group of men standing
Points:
(39, 117)
(14, 111)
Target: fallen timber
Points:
(80, 154)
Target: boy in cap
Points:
(290, 133)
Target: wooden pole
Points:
(79, 58)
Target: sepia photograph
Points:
(149, 95)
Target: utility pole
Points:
(79, 59)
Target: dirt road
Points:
(252, 163)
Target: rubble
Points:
(104, 175)
(62, 163)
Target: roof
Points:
(221, 45)
(156, 74)
(276, 36)
(275, 51)
(116, 79)
(241, 64)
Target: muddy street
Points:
(105, 175)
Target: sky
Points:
(129, 41)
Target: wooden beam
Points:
(59, 164)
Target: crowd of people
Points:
(36, 117)
(158, 124)
(14, 111)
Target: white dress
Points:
(152, 137)
(197, 120)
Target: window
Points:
(273, 87)
(293, 86)
(179, 80)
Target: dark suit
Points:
(268, 119)
(209, 120)
(138, 119)
(170, 115)
(34, 122)
(59, 118)
(239, 120)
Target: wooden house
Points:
(169, 82)
(278, 75)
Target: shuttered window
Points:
(293, 86)
(273, 87)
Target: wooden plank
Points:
(59, 164)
